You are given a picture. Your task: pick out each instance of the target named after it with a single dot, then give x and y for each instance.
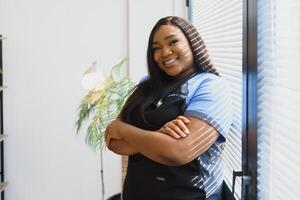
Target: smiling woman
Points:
(172, 52)
(175, 123)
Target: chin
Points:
(173, 73)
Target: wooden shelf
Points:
(2, 186)
(2, 137)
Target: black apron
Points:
(149, 180)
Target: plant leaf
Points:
(104, 105)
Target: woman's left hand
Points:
(176, 128)
(113, 131)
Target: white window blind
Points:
(220, 24)
(278, 84)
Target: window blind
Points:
(278, 99)
(220, 24)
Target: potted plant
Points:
(102, 105)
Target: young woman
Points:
(176, 121)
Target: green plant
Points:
(103, 106)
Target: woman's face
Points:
(172, 52)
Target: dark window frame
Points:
(249, 158)
(249, 104)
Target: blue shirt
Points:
(209, 100)
(204, 96)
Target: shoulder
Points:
(144, 78)
(204, 79)
(206, 84)
(209, 99)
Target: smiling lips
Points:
(170, 62)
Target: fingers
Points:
(184, 119)
(181, 122)
(176, 129)
(170, 132)
(181, 125)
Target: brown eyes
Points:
(172, 43)
(155, 48)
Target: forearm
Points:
(121, 147)
(160, 147)
(154, 145)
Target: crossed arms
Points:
(172, 145)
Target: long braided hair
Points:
(148, 90)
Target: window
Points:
(278, 99)
(220, 24)
(271, 92)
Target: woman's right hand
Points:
(176, 128)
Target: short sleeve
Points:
(144, 78)
(211, 102)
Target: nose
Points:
(166, 51)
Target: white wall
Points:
(143, 15)
(49, 46)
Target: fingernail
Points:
(187, 131)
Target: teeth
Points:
(169, 61)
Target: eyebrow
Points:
(166, 38)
